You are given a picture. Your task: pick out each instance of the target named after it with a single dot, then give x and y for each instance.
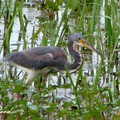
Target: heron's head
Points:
(78, 39)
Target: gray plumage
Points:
(44, 60)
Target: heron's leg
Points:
(30, 77)
(42, 85)
(44, 80)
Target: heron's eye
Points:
(81, 40)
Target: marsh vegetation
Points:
(93, 92)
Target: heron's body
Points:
(39, 58)
(45, 60)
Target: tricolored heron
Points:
(45, 60)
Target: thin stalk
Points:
(22, 26)
(75, 90)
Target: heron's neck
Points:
(76, 55)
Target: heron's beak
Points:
(84, 43)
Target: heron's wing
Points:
(37, 58)
(30, 61)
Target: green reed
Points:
(110, 24)
(78, 102)
(8, 24)
(112, 30)
(23, 22)
(9, 14)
